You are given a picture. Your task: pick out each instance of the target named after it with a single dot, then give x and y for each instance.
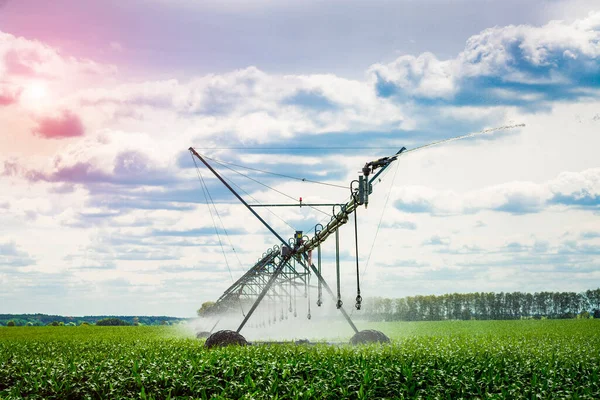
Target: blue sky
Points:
(101, 205)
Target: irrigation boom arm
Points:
(357, 200)
(276, 269)
(269, 269)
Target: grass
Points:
(469, 359)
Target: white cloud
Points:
(24, 59)
(514, 197)
(556, 53)
(577, 186)
(11, 256)
(422, 76)
(252, 105)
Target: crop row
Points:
(156, 363)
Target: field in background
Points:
(450, 359)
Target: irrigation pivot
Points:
(286, 268)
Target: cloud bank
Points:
(115, 189)
(503, 65)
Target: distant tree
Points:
(54, 323)
(136, 321)
(163, 322)
(401, 308)
(388, 308)
(84, 324)
(205, 309)
(61, 323)
(71, 324)
(111, 322)
(29, 323)
(583, 315)
(10, 323)
(593, 299)
(412, 308)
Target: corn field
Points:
(437, 360)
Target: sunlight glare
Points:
(34, 94)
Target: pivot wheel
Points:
(369, 336)
(225, 338)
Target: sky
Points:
(103, 210)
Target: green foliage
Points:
(44, 319)
(584, 315)
(111, 322)
(483, 306)
(84, 324)
(446, 360)
(10, 323)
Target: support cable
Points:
(220, 220)
(249, 195)
(380, 220)
(204, 191)
(379, 224)
(257, 181)
(207, 195)
(275, 174)
(267, 186)
(295, 148)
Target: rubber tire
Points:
(225, 338)
(369, 336)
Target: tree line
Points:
(59, 320)
(485, 306)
